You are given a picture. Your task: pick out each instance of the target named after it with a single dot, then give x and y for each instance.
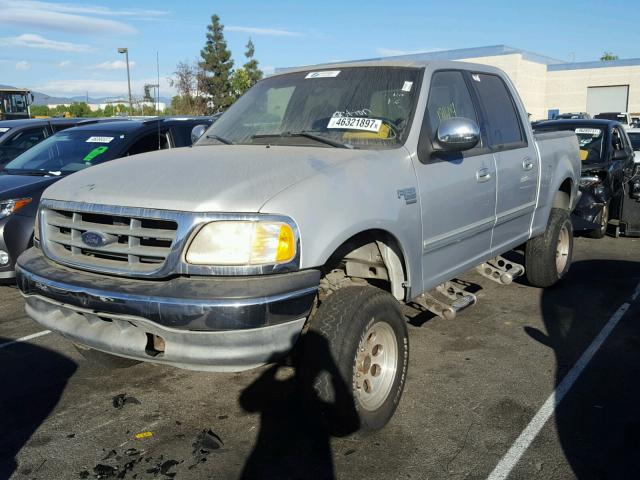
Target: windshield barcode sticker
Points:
(3, 129)
(355, 123)
(99, 140)
(589, 131)
(324, 74)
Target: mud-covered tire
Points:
(359, 333)
(548, 257)
(105, 360)
(602, 220)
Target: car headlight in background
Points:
(238, 243)
(7, 207)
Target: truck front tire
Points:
(354, 359)
(548, 257)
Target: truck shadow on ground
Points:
(296, 424)
(32, 380)
(598, 421)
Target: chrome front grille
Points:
(128, 243)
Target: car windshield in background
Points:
(356, 107)
(590, 140)
(635, 140)
(66, 152)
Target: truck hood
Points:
(224, 178)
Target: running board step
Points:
(458, 297)
(500, 270)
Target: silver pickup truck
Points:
(305, 216)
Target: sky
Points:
(70, 48)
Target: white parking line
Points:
(24, 339)
(511, 458)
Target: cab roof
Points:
(434, 64)
(131, 125)
(594, 122)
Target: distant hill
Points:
(40, 98)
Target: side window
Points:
(448, 97)
(26, 139)
(616, 140)
(503, 121)
(149, 143)
(61, 126)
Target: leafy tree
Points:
(39, 111)
(251, 66)
(189, 82)
(240, 82)
(109, 111)
(216, 65)
(608, 56)
(79, 109)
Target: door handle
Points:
(527, 164)
(483, 175)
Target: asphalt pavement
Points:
(474, 386)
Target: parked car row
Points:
(51, 156)
(609, 173)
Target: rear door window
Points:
(150, 142)
(27, 138)
(503, 122)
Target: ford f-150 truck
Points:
(318, 203)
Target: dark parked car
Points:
(607, 167)
(573, 116)
(24, 179)
(18, 136)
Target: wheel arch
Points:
(359, 246)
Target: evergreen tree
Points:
(251, 66)
(216, 67)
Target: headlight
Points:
(243, 243)
(588, 181)
(7, 207)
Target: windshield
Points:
(67, 152)
(590, 140)
(635, 140)
(356, 107)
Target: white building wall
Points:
(567, 89)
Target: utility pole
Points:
(126, 55)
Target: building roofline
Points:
(627, 62)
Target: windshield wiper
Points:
(306, 134)
(35, 173)
(220, 139)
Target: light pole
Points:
(126, 55)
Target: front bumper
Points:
(215, 324)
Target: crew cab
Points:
(607, 157)
(317, 204)
(23, 180)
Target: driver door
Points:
(457, 190)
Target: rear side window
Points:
(503, 122)
(448, 97)
(149, 143)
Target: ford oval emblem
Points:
(94, 239)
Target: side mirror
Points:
(197, 132)
(457, 134)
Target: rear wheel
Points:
(548, 257)
(104, 359)
(602, 220)
(354, 359)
